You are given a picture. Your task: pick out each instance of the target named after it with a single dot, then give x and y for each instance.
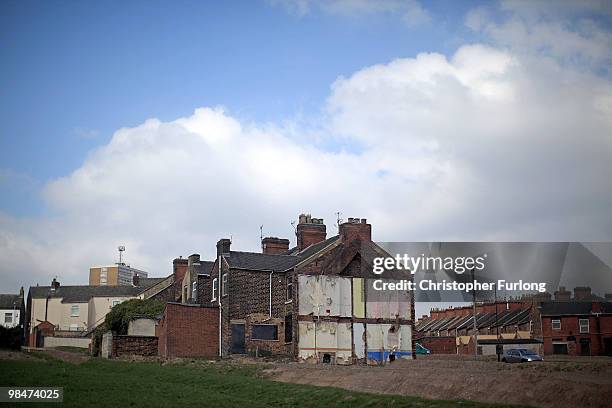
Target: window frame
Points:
(215, 289)
(553, 321)
(264, 324)
(224, 284)
(194, 290)
(115, 302)
(8, 315)
(78, 310)
(289, 288)
(588, 325)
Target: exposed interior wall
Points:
(328, 330)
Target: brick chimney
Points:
(179, 269)
(274, 245)
(596, 307)
(356, 229)
(563, 294)
(582, 293)
(193, 259)
(310, 231)
(223, 247)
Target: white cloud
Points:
(489, 144)
(410, 11)
(568, 31)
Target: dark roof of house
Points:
(148, 282)
(261, 262)
(314, 248)
(204, 268)
(10, 301)
(82, 293)
(572, 308)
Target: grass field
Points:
(121, 384)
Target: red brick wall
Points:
(134, 345)
(599, 329)
(439, 345)
(189, 331)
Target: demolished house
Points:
(314, 302)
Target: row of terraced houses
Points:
(312, 301)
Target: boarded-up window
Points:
(264, 332)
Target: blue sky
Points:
(436, 121)
(74, 72)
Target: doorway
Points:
(238, 339)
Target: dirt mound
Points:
(545, 385)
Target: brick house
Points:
(577, 327)
(314, 302)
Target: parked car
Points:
(520, 356)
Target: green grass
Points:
(130, 384)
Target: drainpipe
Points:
(219, 304)
(270, 307)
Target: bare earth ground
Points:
(562, 383)
(557, 382)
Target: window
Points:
(74, 327)
(224, 284)
(215, 288)
(264, 332)
(584, 325)
(8, 318)
(556, 324)
(115, 303)
(185, 294)
(289, 290)
(74, 310)
(194, 291)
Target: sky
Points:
(165, 126)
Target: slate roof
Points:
(261, 262)
(148, 282)
(571, 308)
(204, 268)
(314, 248)
(82, 293)
(10, 301)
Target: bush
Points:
(10, 338)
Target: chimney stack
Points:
(223, 247)
(274, 245)
(193, 259)
(582, 293)
(21, 292)
(179, 268)
(563, 294)
(356, 229)
(310, 231)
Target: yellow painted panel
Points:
(358, 303)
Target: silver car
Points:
(520, 356)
